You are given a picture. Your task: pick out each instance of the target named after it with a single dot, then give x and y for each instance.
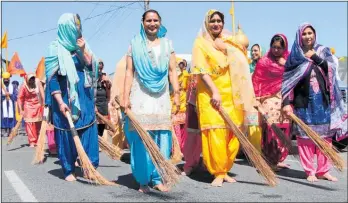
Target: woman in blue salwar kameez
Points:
(71, 72)
(150, 62)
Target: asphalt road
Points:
(22, 181)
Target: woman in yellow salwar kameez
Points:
(217, 59)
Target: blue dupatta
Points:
(153, 76)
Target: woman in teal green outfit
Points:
(256, 53)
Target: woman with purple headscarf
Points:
(311, 91)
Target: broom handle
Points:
(106, 121)
(263, 113)
(68, 116)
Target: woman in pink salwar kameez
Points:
(30, 101)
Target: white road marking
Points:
(20, 188)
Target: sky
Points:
(109, 34)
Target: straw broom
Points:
(169, 173)
(280, 134)
(329, 151)
(111, 150)
(14, 131)
(177, 154)
(254, 156)
(86, 165)
(40, 148)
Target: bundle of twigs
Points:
(40, 148)
(88, 169)
(176, 152)
(14, 131)
(114, 152)
(280, 134)
(254, 156)
(169, 173)
(329, 151)
(111, 150)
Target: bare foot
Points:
(161, 188)
(283, 165)
(229, 179)
(70, 178)
(312, 179)
(144, 189)
(329, 177)
(217, 182)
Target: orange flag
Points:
(16, 66)
(40, 70)
(4, 41)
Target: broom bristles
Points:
(40, 148)
(168, 172)
(280, 134)
(177, 154)
(90, 172)
(254, 156)
(329, 151)
(14, 131)
(282, 137)
(111, 150)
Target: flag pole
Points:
(6, 59)
(232, 14)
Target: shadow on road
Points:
(292, 173)
(308, 184)
(125, 158)
(108, 166)
(251, 183)
(59, 173)
(22, 145)
(128, 181)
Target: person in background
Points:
(256, 52)
(8, 105)
(31, 100)
(179, 119)
(102, 98)
(267, 81)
